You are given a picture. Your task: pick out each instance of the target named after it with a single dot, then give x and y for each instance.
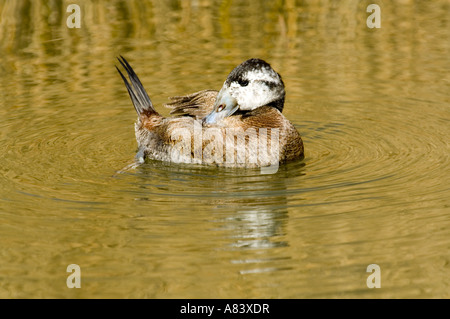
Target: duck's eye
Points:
(220, 107)
(243, 82)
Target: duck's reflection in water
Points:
(257, 233)
(257, 229)
(248, 208)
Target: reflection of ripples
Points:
(386, 148)
(54, 159)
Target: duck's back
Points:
(256, 138)
(198, 104)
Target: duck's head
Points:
(250, 85)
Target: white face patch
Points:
(264, 86)
(262, 75)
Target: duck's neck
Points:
(278, 104)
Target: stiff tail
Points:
(138, 95)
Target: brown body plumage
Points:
(255, 137)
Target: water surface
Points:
(372, 106)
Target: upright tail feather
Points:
(138, 95)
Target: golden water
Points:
(372, 106)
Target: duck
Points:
(241, 125)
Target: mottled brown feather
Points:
(198, 104)
(158, 136)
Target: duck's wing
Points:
(198, 104)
